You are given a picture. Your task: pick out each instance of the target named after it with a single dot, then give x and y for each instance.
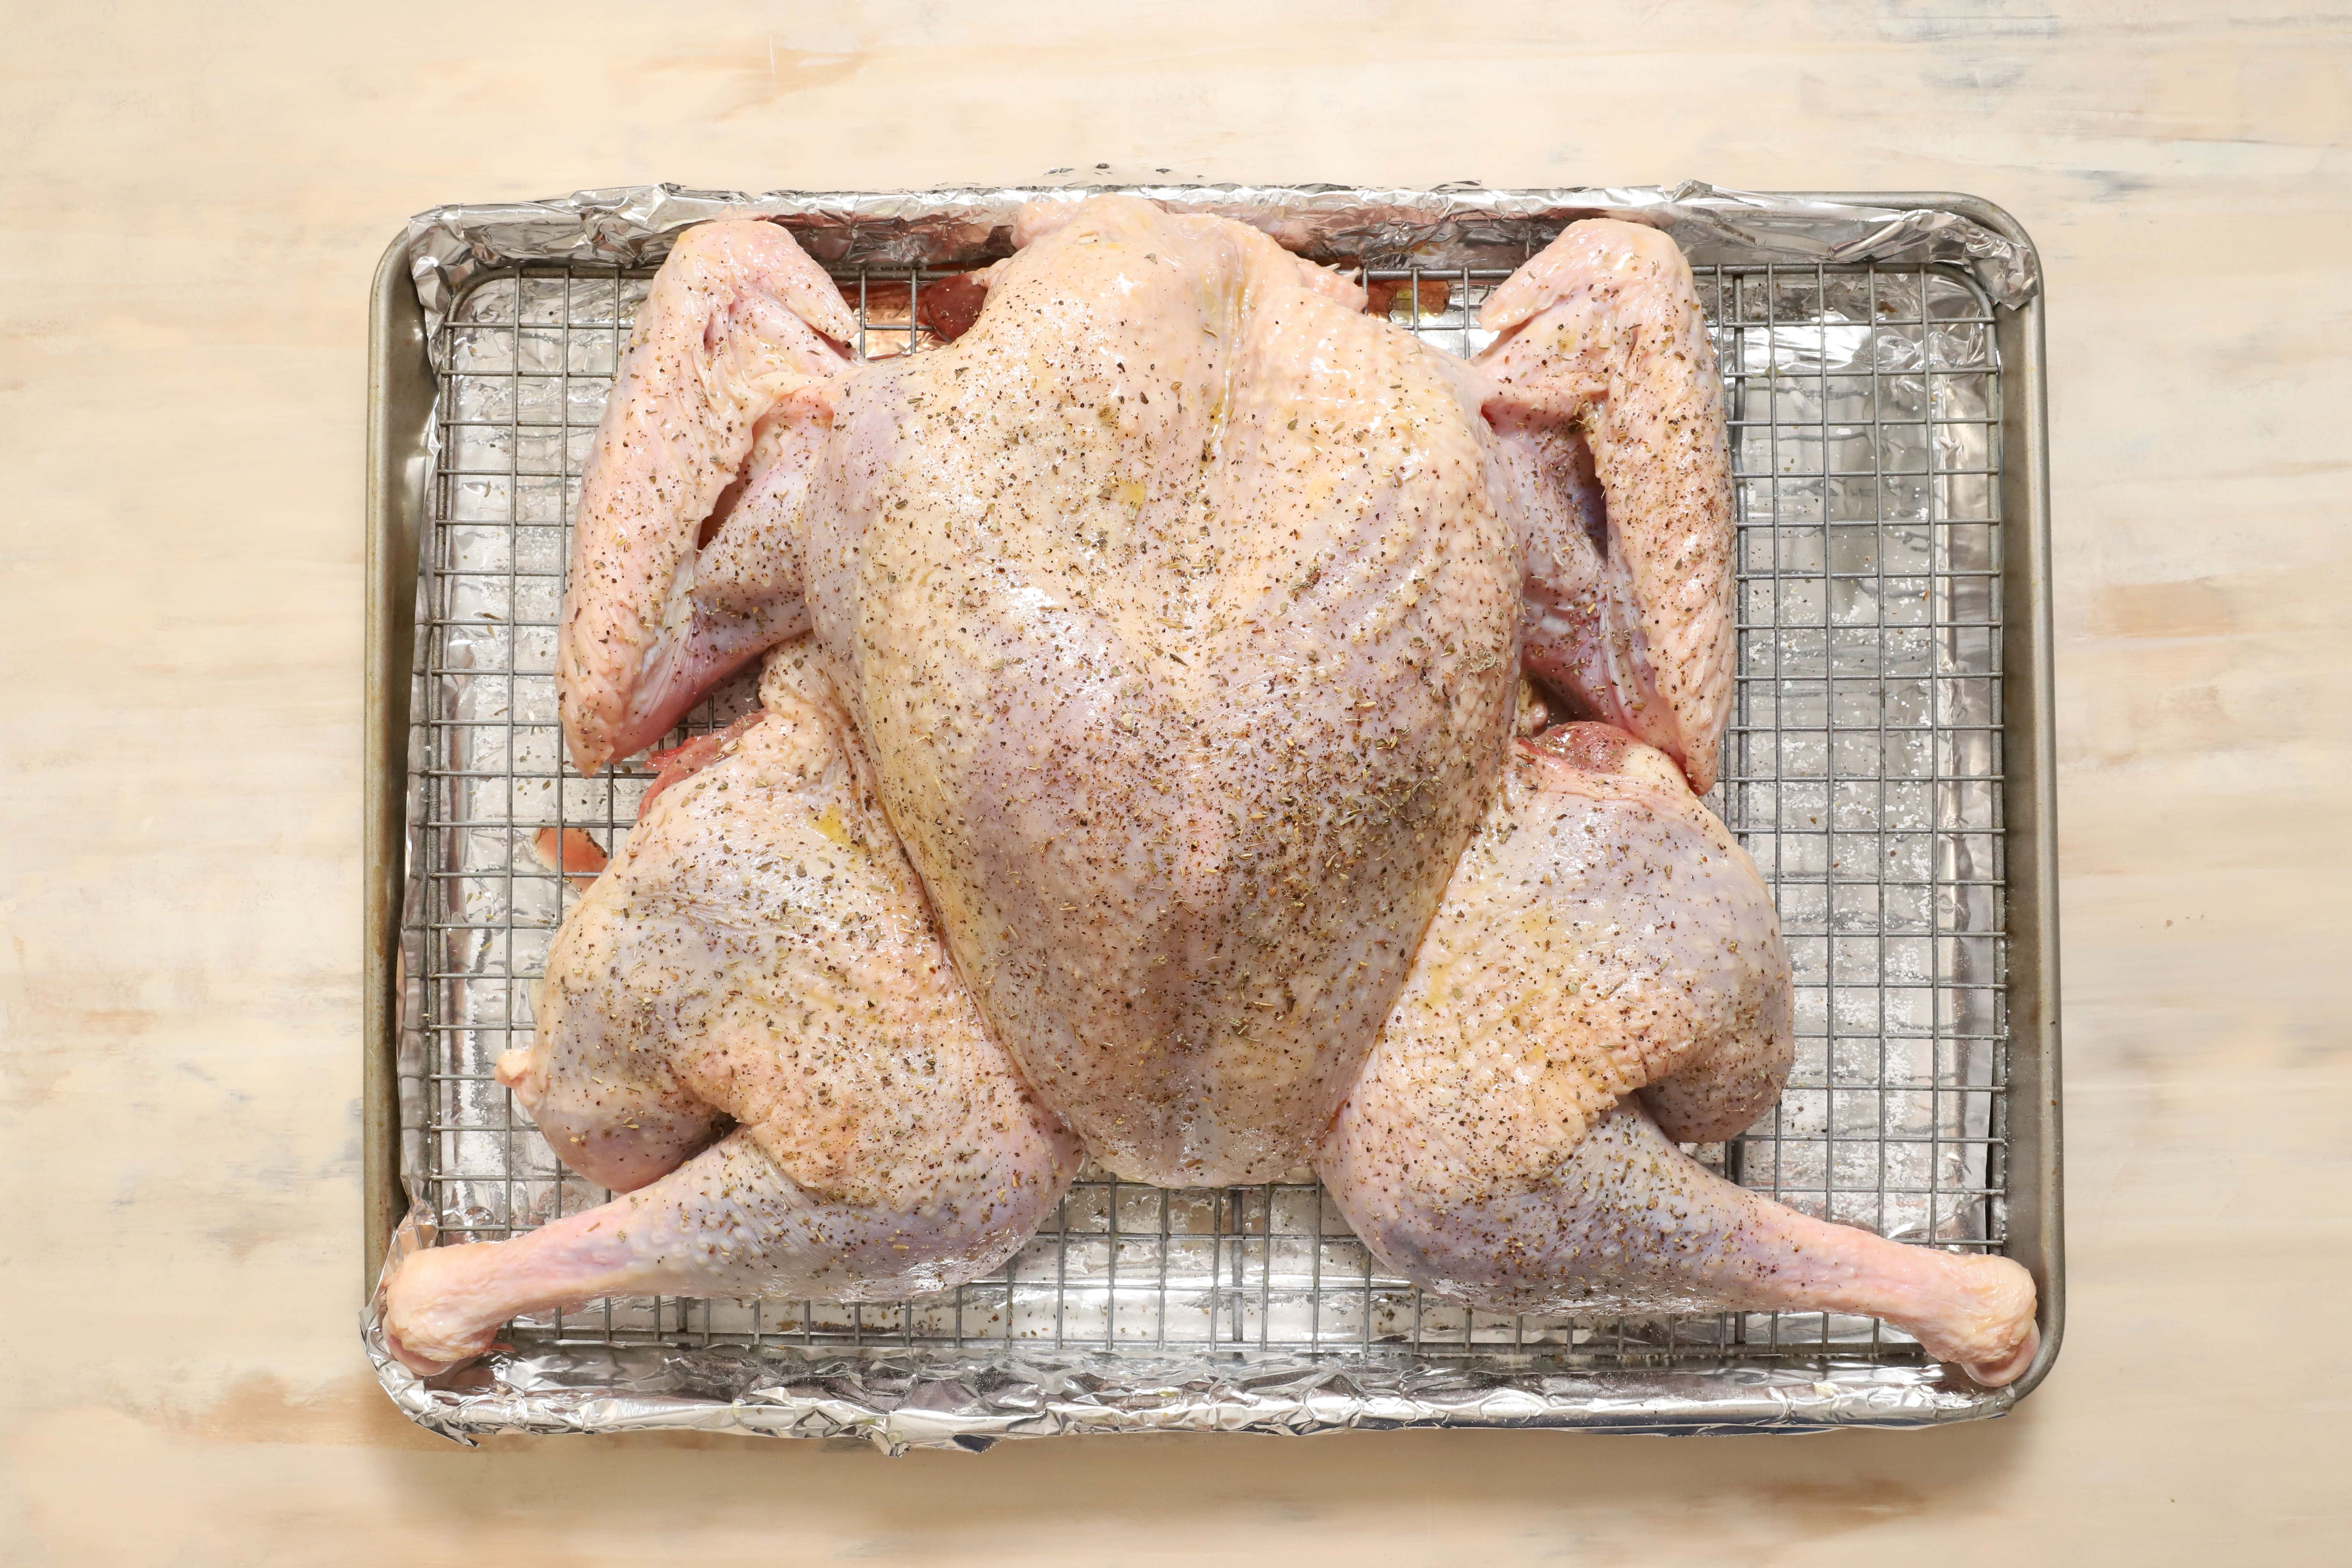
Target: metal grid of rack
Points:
(1864, 774)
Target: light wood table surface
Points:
(192, 200)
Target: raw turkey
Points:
(1143, 774)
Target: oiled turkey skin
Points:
(759, 953)
(1603, 937)
(1604, 379)
(718, 407)
(1179, 621)
(1606, 961)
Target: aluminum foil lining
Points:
(899, 1400)
(634, 224)
(1864, 431)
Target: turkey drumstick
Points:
(1605, 958)
(758, 951)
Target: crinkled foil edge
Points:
(633, 226)
(901, 1399)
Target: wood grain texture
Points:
(192, 200)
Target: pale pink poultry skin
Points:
(1179, 721)
(719, 425)
(1605, 977)
(1162, 643)
(761, 952)
(1605, 386)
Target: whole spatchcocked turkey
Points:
(1150, 768)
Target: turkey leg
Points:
(730, 1222)
(761, 952)
(1626, 1221)
(1605, 958)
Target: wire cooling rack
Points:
(1864, 773)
